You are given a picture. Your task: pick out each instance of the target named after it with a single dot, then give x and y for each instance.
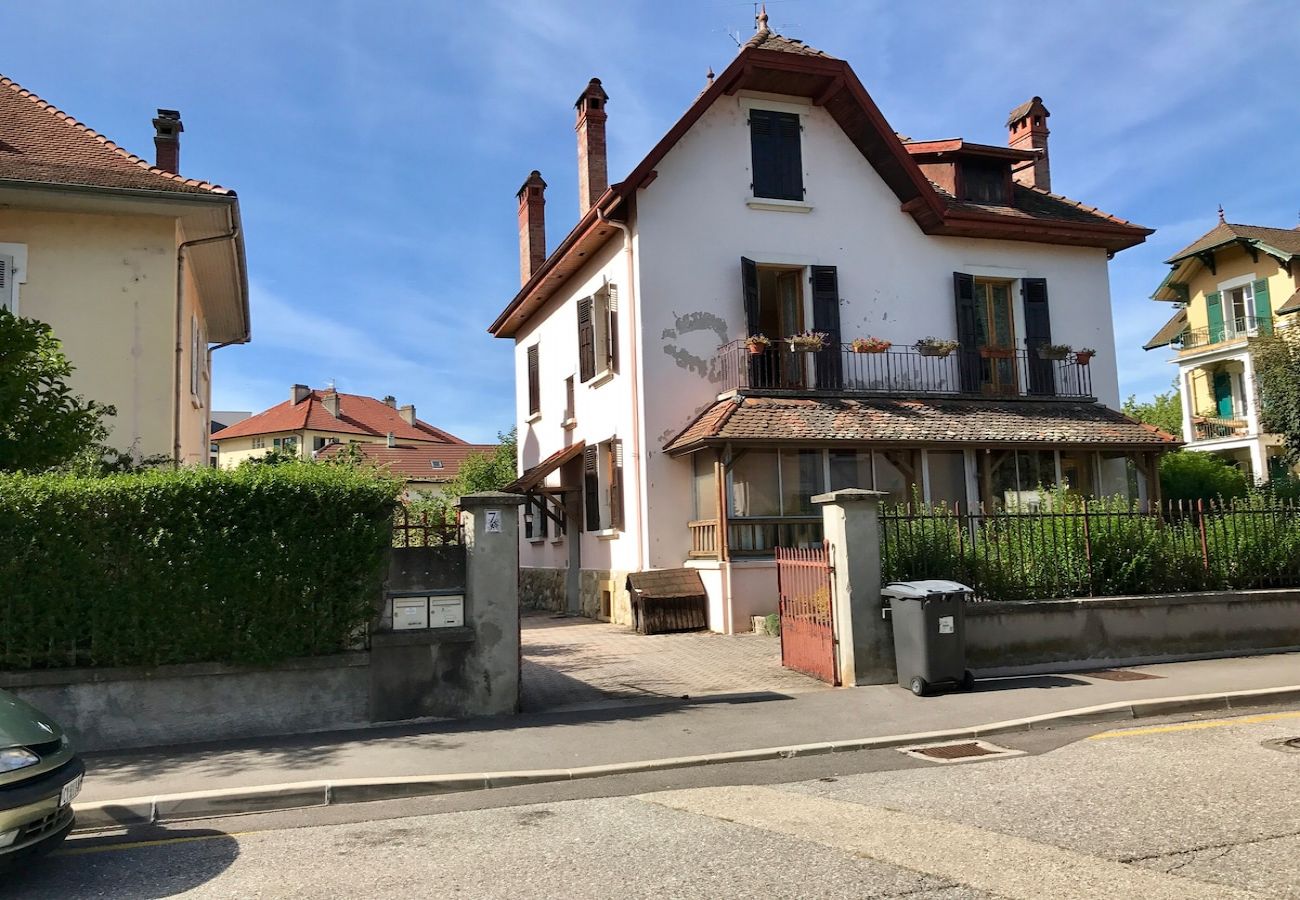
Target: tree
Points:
(1277, 387)
(1164, 411)
(1194, 475)
(42, 423)
(486, 471)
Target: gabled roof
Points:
(357, 415)
(1054, 423)
(414, 461)
(40, 143)
(1284, 242)
(771, 63)
(1169, 332)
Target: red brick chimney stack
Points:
(532, 226)
(593, 170)
(1027, 130)
(167, 130)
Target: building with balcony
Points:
(935, 324)
(1231, 286)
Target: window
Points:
(570, 415)
(704, 486)
(983, 182)
(1239, 304)
(946, 470)
(602, 485)
(534, 383)
(259, 443)
(435, 463)
(287, 444)
(7, 291)
(598, 334)
(774, 142)
(197, 352)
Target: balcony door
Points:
(774, 308)
(996, 335)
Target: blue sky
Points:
(377, 148)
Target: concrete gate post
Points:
(865, 640)
(490, 522)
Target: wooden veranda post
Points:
(720, 485)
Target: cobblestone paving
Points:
(573, 662)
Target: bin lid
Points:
(918, 590)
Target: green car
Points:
(39, 777)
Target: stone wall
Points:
(542, 589)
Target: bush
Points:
(252, 565)
(1192, 475)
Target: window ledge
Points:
(535, 417)
(558, 539)
(775, 205)
(570, 422)
(537, 540)
(607, 534)
(196, 402)
(602, 378)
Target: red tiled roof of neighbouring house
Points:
(41, 144)
(357, 415)
(414, 462)
(886, 421)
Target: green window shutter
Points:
(1263, 308)
(1223, 394)
(1214, 308)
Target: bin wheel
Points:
(968, 681)
(918, 686)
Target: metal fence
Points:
(423, 528)
(1097, 548)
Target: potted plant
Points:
(870, 345)
(933, 346)
(757, 343)
(1084, 355)
(1054, 351)
(808, 341)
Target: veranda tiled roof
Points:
(911, 421)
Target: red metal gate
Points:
(803, 578)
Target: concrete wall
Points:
(1066, 634)
(109, 709)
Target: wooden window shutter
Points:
(968, 360)
(534, 383)
(826, 317)
(616, 484)
(749, 291)
(1214, 313)
(776, 154)
(1263, 308)
(591, 488)
(7, 282)
(586, 340)
(1038, 333)
(611, 327)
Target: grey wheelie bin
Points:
(929, 634)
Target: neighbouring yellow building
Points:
(1232, 285)
(140, 271)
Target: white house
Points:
(652, 437)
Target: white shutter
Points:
(7, 282)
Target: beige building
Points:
(1231, 286)
(139, 271)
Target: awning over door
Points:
(537, 474)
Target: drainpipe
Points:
(634, 354)
(231, 235)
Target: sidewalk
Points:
(636, 733)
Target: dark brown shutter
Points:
(616, 484)
(586, 341)
(776, 154)
(591, 488)
(968, 358)
(1038, 333)
(753, 366)
(534, 383)
(826, 317)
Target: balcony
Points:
(1232, 330)
(907, 371)
(1212, 428)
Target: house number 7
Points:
(494, 521)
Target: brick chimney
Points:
(407, 412)
(1027, 130)
(298, 393)
(167, 130)
(593, 171)
(532, 226)
(330, 400)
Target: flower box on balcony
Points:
(935, 347)
(1054, 351)
(870, 345)
(1084, 355)
(808, 341)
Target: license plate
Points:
(70, 791)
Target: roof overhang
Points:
(950, 147)
(1169, 332)
(538, 473)
(220, 267)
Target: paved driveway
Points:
(571, 662)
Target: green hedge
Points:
(252, 565)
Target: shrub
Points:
(252, 565)
(1191, 475)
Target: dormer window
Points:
(984, 182)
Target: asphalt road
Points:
(1202, 808)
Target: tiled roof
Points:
(765, 39)
(414, 462)
(1035, 203)
(888, 421)
(1285, 239)
(40, 143)
(1020, 111)
(357, 415)
(1168, 332)
(535, 475)
(1291, 305)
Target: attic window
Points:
(984, 182)
(435, 463)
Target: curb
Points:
(305, 794)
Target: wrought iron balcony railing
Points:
(1232, 330)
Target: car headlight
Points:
(17, 758)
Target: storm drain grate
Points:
(962, 751)
(1120, 675)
